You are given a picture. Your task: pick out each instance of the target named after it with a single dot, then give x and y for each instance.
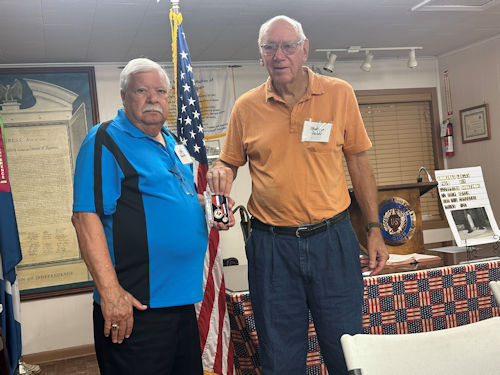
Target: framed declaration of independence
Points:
(46, 114)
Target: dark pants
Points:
(164, 341)
(289, 276)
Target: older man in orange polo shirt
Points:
(302, 253)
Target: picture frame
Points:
(213, 148)
(475, 123)
(47, 112)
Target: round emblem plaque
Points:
(398, 219)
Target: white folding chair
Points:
(495, 288)
(469, 349)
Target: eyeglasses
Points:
(188, 190)
(288, 48)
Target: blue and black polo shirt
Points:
(154, 225)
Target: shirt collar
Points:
(314, 87)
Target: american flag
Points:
(10, 256)
(213, 318)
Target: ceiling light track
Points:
(369, 56)
(427, 6)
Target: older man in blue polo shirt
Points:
(142, 233)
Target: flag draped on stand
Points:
(213, 318)
(10, 256)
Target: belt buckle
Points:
(297, 232)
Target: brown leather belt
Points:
(301, 231)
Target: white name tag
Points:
(183, 154)
(316, 131)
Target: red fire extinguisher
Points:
(448, 139)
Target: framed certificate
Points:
(47, 113)
(475, 123)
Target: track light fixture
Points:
(412, 60)
(367, 63)
(330, 65)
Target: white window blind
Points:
(401, 134)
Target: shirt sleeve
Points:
(233, 151)
(96, 191)
(356, 139)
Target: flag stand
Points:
(28, 369)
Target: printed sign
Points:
(467, 207)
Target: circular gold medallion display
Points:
(398, 219)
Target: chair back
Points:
(469, 349)
(495, 288)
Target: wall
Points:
(57, 323)
(474, 74)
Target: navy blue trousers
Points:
(164, 341)
(288, 276)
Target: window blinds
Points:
(401, 133)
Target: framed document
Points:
(475, 123)
(47, 112)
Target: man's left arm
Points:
(365, 190)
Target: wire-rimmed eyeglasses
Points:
(186, 187)
(288, 48)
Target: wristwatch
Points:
(374, 224)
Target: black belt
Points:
(300, 231)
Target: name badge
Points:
(183, 154)
(316, 131)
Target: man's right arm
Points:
(116, 303)
(221, 176)
(220, 180)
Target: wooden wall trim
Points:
(60, 354)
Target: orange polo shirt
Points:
(295, 182)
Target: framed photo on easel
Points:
(475, 123)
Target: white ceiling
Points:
(73, 31)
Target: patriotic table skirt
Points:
(407, 302)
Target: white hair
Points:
(294, 23)
(137, 66)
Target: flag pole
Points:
(175, 21)
(212, 312)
